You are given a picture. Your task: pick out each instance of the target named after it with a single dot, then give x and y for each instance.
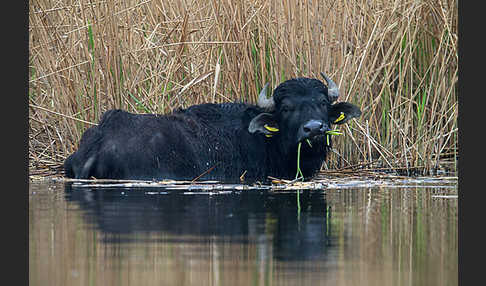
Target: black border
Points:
(469, 123)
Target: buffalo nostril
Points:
(313, 127)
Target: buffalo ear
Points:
(264, 123)
(341, 112)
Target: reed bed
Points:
(397, 60)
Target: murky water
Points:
(380, 235)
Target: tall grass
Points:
(397, 60)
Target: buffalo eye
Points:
(286, 109)
(324, 104)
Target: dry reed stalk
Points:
(397, 60)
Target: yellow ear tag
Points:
(341, 117)
(270, 128)
(268, 135)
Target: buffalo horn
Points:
(263, 100)
(332, 88)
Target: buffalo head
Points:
(301, 109)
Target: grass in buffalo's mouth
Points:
(332, 132)
(299, 173)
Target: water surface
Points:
(379, 235)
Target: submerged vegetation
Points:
(396, 60)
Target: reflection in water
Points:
(239, 217)
(375, 236)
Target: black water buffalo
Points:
(225, 142)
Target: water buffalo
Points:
(226, 142)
